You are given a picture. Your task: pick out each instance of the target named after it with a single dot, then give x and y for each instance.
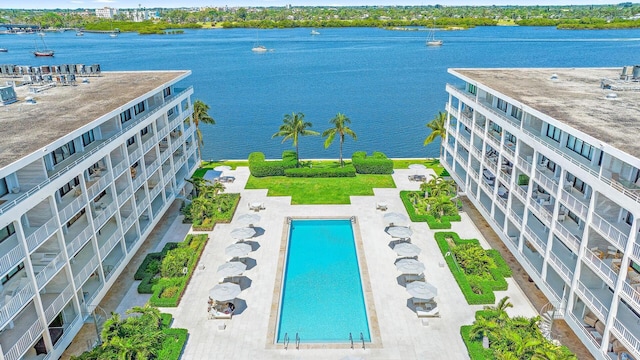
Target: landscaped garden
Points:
(210, 205)
(436, 203)
(495, 335)
(477, 271)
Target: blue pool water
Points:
(322, 298)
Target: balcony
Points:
(148, 143)
(609, 231)
(524, 164)
(86, 271)
(155, 190)
(80, 238)
(98, 184)
(542, 211)
(179, 162)
(53, 303)
(45, 271)
(551, 185)
(128, 221)
(509, 150)
(539, 244)
(141, 205)
(13, 254)
(592, 301)
(568, 237)
(522, 193)
(574, 204)
(124, 195)
(110, 243)
(516, 217)
(17, 293)
(460, 157)
(464, 141)
(105, 212)
(151, 168)
(28, 329)
(600, 268)
(565, 273)
(120, 168)
(41, 234)
(631, 294)
(71, 203)
(627, 337)
(138, 181)
(135, 155)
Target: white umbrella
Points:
(401, 232)
(237, 250)
(248, 219)
(395, 218)
(410, 266)
(417, 167)
(225, 292)
(242, 233)
(422, 290)
(232, 268)
(222, 168)
(406, 249)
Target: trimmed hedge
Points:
(474, 347)
(260, 167)
(173, 344)
(487, 288)
(434, 224)
(377, 163)
(347, 171)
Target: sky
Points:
(92, 4)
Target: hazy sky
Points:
(92, 4)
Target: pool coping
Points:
(374, 327)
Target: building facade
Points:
(106, 12)
(551, 159)
(86, 173)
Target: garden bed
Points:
(441, 223)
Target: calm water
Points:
(388, 82)
(322, 297)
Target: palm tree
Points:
(201, 115)
(341, 128)
(438, 129)
(292, 128)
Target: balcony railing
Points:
(21, 346)
(78, 242)
(12, 258)
(636, 252)
(563, 270)
(574, 204)
(568, 238)
(86, 271)
(464, 141)
(491, 165)
(42, 233)
(58, 304)
(473, 174)
(153, 167)
(68, 211)
(177, 143)
(109, 274)
(138, 181)
(120, 168)
(600, 268)
(50, 270)
(135, 155)
(164, 155)
(543, 213)
(154, 191)
(510, 153)
(627, 337)
(15, 304)
(609, 231)
(126, 223)
(461, 159)
(10, 204)
(96, 188)
(179, 163)
(106, 248)
(477, 153)
(495, 143)
(516, 217)
(104, 215)
(124, 195)
(540, 245)
(630, 294)
(521, 192)
(524, 164)
(148, 144)
(502, 202)
(545, 181)
(595, 305)
(487, 187)
(142, 204)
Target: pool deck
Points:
(249, 335)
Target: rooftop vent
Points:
(7, 95)
(630, 73)
(611, 96)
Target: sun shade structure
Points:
(422, 290)
(232, 268)
(237, 250)
(224, 292)
(401, 232)
(395, 218)
(248, 219)
(242, 233)
(222, 168)
(410, 266)
(406, 249)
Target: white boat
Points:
(41, 34)
(79, 33)
(4, 50)
(113, 35)
(314, 32)
(259, 48)
(431, 39)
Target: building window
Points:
(69, 186)
(170, 112)
(100, 196)
(131, 140)
(4, 190)
(577, 183)
(472, 89)
(125, 116)
(93, 168)
(488, 98)
(580, 147)
(63, 152)
(12, 273)
(166, 92)
(138, 108)
(553, 133)
(516, 112)
(144, 131)
(88, 138)
(7, 231)
(75, 218)
(502, 105)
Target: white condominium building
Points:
(551, 159)
(86, 172)
(106, 12)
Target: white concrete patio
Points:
(403, 335)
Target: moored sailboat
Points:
(44, 51)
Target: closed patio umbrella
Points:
(224, 292)
(242, 233)
(410, 266)
(248, 219)
(422, 290)
(395, 218)
(406, 249)
(237, 250)
(232, 268)
(401, 232)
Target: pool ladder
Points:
(297, 342)
(361, 339)
(286, 341)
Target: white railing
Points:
(155, 191)
(574, 204)
(142, 204)
(135, 155)
(114, 267)
(487, 187)
(120, 168)
(461, 158)
(164, 155)
(474, 174)
(524, 164)
(588, 297)
(138, 181)
(541, 211)
(106, 248)
(600, 268)
(11, 258)
(585, 332)
(15, 304)
(86, 271)
(464, 119)
(148, 144)
(42, 234)
(540, 245)
(126, 223)
(464, 141)
(508, 151)
(551, 185)
(176, 143)
(96, 188)
(631, 294)
(609, 231)
(166, 178)
(521, 192)
(627, 337)
(179, 163)
(562, 269)
(104, 215)
(78, 242)
(29, 337)
(9, 204)
(58, 304)
(153, 167)
(533, 267)
(50, 270)
(68, 211)
(163, 132)
(516, 217)
(633, 194)
(476, 152)
(502, 202)
(492, 165)
(452, 89)
(494, 142)
(569, 239)
(124, 195)
(506, 178)
(636, 252)
(479, 130)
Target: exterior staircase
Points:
(548, 314)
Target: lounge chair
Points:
(256, 206)
(409, 278)
(381, 206)
(427, 309)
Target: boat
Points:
(41, 33)
(44, 51)
(113, 35)
(259, 48)
(79, 33)
(4, 50)
(431, 39)
(314, 32)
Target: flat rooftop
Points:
(25, 128)
(575, 99)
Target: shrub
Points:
(146, 285)
(377, 163)
(173, 344)
(169, 292)
(442, 223)
(347, 171)
(260, 167)
(474, 346)
(175, 261)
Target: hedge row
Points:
(474, 347)
(434, 224)
(377, 163)
(347, 171)
(486, 287)
(173, 344)
(218, 217)
(259, 167)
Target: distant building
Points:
(106, 12)
(139, 15)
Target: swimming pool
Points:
(322, 298)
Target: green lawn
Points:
(321, 190)
(209, 165)
(429, 163)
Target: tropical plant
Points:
(198, 183)
(340, 128)
(201, 115)
(438, 129)
(292, 128)
(175, 261)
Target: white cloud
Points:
(77, 2)
(104, 1)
